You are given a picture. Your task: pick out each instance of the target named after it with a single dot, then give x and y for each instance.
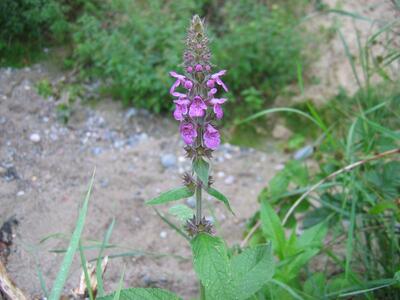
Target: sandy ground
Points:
(43, 182)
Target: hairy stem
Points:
(198, 203)
(202, 292)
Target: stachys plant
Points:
(198, 108)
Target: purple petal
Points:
(211, 137)
(219, 113)
(218, 74)
(218, 100)
(221, 83)
(176, 75)
(174, 86)
(188, 132)
(197, 108)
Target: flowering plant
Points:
(198, 108)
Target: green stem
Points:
(202, 292)
(198, 203)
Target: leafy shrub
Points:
(134, 44)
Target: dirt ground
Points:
(45, 168)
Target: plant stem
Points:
(202, 292)
(198, 203)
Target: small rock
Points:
(9, 173)
(281, 132)
(279, 167)
(97, 150)
(221, 174)
(163, 234)
(168, 160)
(304, 152)
(20, 193)
(119, 144)
(104, 182)
(229, 180)
(132, 112)
(191, 202)
(35, 137)
(3, 120)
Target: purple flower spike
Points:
(188, 132)
(218, 80)
(219, 113)
(180, 79)
(197, 108)
(181, 109)
(211, 137)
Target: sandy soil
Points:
(43, 182)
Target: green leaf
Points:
(252, 269)
(272, 227)
(211, 263)
(72, 247)
(278, 185)
(142, 294)
(201, 167)
(313, 237)
(297, 172)
(171, 195)
(181, 211)
(221, 197)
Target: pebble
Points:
(132, 112)
(168, 160)
(10, 173)
(304, 152)
(104, 182)
(3, 120)
(229, 180)
(279, 167)
(97, 150)
(35, 137)
(20, 193)
(163, 234)
(221, 174)
(119, 144)
(191, 202)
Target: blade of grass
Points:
(350, 58)
(73, 245)
(99, 272)
(120, 286)
(85, 271)
(278, 109)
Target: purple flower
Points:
(198, 68)
(188, 132)
(188, 85)
(217, 106)
(211, 137)
(181, 108)
(180, 79)
(210, 83)
(218, 80)
(212, 92)
(197, 107)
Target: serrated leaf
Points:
(211, 263)
(252, 269)
(142, 294)
(171, 195)
(201, 168)
(272, 227)
(181, 211)
(221, 197)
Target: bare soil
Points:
(43, 182)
